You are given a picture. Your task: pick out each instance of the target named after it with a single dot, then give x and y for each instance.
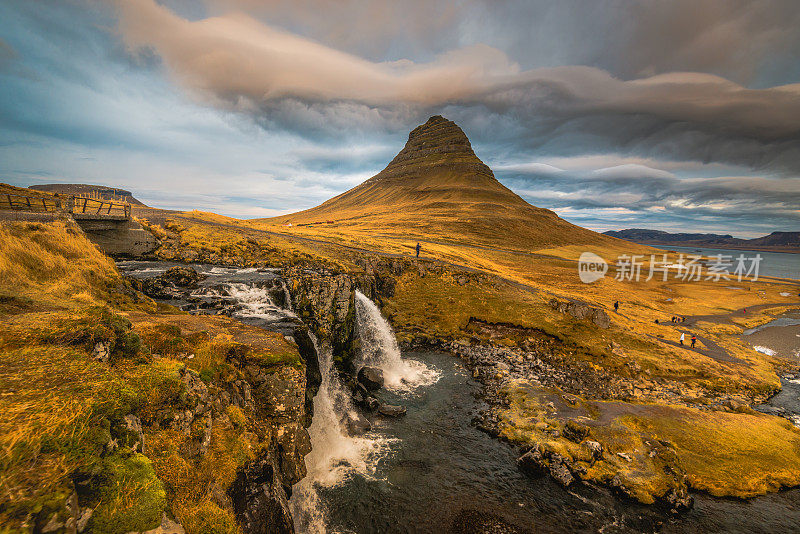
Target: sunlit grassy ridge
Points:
(738, 453)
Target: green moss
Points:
(133, 498)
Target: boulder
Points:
(576, 432)
(559, 471)
(538, 462)
(181, 276)
(101, 352)
(371, 378)
(357, 424)
(532, 462)
(582, 311)
(390, 410)
(595, 450)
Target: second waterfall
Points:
(379, 349)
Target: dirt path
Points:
(712, 349)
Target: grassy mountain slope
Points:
(437, 188)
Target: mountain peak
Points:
(436, 188)
(437, 143)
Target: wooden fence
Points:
(70, 204)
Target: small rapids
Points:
(255, 303)
(379, 349)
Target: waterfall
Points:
(335, 455)
(379, 349)
(287, 295)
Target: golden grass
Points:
(736, 454)
(59, 409)
(727, 454)
(53, 264)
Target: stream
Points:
(432, 470)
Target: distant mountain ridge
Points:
(436, 187)
(776, 241)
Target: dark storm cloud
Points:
(641, 189)
(288, 81)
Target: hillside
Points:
(776, 241)
(437, 188)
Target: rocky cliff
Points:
(122, 415)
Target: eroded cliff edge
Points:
(122, 415)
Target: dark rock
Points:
(576, 432)
(357, 424)
(582, 311)
(595, 450)
(371, 378)
(390, 410)
(259, 499)
(559, 471)
(372, 403)
(181, 276)
(532, 462)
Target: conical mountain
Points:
(437, 188)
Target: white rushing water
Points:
(335, 454)
(379, 349)
(254, 302)
(287, 296)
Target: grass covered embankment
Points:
(106, 422)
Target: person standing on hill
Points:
(694, 340)
(419, 247)
(683, 336)
(616, 306)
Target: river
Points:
(432, 470)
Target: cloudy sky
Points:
(680, 115)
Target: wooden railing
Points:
(93, 206)
(69, 204)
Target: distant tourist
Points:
(694, 340)
(683, 336)
(657, 321)
(673, 319)
(419, 247)
(616, 305)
